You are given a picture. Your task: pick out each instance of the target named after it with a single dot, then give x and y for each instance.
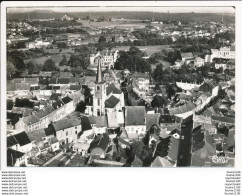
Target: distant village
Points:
(129, 94)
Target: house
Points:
(183, 111)
(135, 120)
(42, 118)
(210, 86)
(81, 148)
(19, 142)
(187, 57)
(108, 58)
(101, 124)
(161, 162)
(199, 62)
(67, 130)
(16, 158)
(169, 122)
(187, 86)
(99, 146)
(141, 82)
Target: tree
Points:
(49, 65)
(11, 70)
(63, 62)
(30, 67)
(101, 39)
(158, 73)
(81, 106)
(159, 102)
(9, 104)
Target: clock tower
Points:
(99, 96)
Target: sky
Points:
(225, 10)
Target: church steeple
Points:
(99, 77)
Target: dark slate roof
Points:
(85, 123)
(111, 102)
(134, 115)
(20, 138)
(49, 131)
(112, 89)
(65, 123)
(66, 99)
(36, 135)
(101, 141)
(12, 156)
(11, 141)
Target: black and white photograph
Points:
(120, 86)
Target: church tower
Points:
(99, 92)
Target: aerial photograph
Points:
(120, 86)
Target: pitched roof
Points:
(134, 115)
(187, 55)
(44, 112)
(20, 138)
(12, 156)
(189, 106)
(29, 120)
(65, 123)
(137, 162)
(36, 135)
(85, 123)
(152, 119)
(101, 121)
(49, 131)
(111, 102)
(101, 141)
(161, 162)
(66, 100)
(112, 89)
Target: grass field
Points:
(148, 49)
(55, 57)
(86, 23)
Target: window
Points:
(67, 133)
(75, 127)
(98, 88)
(76, 132)
(98, 102)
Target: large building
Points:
(106, 97)
(106, 58)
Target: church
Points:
(106, 97)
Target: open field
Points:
(55, 57)
(86, 23)
(148, 49)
